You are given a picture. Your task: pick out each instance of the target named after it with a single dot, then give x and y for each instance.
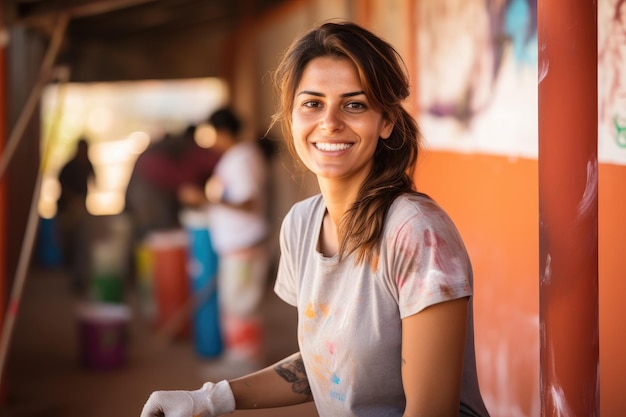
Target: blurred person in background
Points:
(74, 179)
(235, 202)
(159, 172)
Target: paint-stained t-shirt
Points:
(349, 316)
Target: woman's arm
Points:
(284, 383)
(433, 343)
(279, 385)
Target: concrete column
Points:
(568, 208)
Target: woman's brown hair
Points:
(385, 81)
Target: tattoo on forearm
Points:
(292, 370)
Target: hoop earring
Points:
(384, 143)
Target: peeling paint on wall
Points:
(559, 402)
(504, 359)
(547, 271)
(588, 203)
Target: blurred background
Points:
(130, 76)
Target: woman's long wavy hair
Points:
(384, 78)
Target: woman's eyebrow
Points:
(310, 93)
(314, 93)
(354, 93)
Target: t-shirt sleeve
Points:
(286, 285)
(430, 264)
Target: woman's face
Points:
(335, 129)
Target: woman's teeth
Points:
(331, 147)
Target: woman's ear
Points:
(386, 128)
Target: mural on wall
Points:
(477, 61)
(477, 92)
(612, 81)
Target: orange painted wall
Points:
(612, 287)
(493, 200)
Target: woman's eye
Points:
(355, 106)
(311, 103)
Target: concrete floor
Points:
(44, 375)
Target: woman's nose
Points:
(331, 120)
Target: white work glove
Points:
(211, 400)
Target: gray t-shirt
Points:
(349, 316)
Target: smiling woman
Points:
(377, 271)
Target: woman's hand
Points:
(211, 400)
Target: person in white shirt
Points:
(234, 199)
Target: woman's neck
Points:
(338, 196)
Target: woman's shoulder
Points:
(418, 218)
(414, 202)
(308, 203)
(416, 209)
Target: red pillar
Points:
(568, 208)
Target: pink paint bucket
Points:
(103, 335)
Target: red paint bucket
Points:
(168, 250)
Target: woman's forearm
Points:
(282, 384)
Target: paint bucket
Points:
(107, 287)
(103, 335)
(48, 243)
(202, 272)
(171, 286)
(244, 337)
(145, 281)
(107, 280)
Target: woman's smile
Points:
(332, 147)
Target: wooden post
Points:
(3, 202)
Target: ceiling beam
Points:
(38, 11)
